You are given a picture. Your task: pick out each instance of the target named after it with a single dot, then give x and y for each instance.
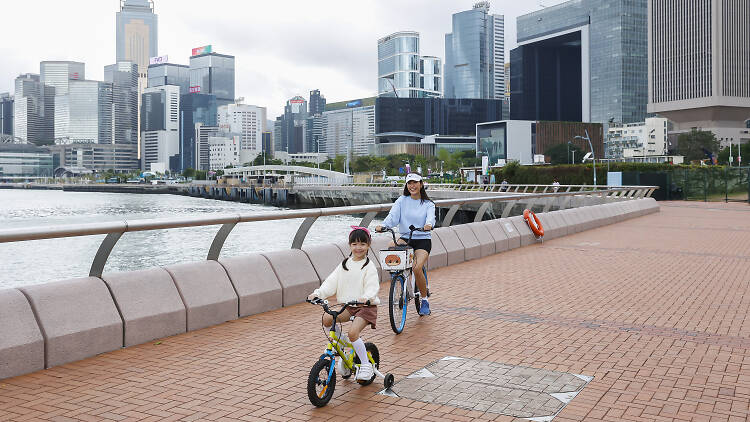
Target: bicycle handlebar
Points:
(412, 229)
(327, 309)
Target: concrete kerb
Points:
(149, 304)
(207, 293)
(255, 282)
(295, 273)
(21, 341)
(497, 233)
(77, 318)
(550, 224)
(465, 235)
(486, 242)
(514, 237)
(453, 246)
(527, 236)
(324, 258)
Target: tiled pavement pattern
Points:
(654, 308)
(491, 387)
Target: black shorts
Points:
(425, 244)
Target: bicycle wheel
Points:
(372, 349)
(319, 385)
(397, 304)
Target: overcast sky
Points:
(282, 49)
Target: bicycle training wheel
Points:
(397, 304)
(319, 385)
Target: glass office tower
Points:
(213, 73)
(475, 54)
(582, 60)
(6, 114)
(169, 74)
(195, 109)
(137, 33)
(124, 78)
(33, 111)
(402, 72)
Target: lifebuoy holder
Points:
(536, 225)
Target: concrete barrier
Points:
(453, 246)
(551, 224)
(207, 293)
(77, 317)
(438, 255)
(472, 247)
(21, 341)
(574, 220)
(486, 242)
(295, 273)
(514, 237)
(324, 258)
(149, 304)
(527, 236)
(257, 287)
(498, 234)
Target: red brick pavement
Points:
(655, 308)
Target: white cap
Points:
(413, 176)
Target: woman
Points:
(414, 208)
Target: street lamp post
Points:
(593, 156)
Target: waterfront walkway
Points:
(655, 309)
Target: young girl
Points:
(355, 279)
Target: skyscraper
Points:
(195, 109)
(160, 127)
(33, 110)
(402, 72)
(475, 54)
(317, 102)
(249, 122)
(169, 74)
(124, 78)
(137, 40)
(583, 60)
(6, 114)
(90, 113)
(212, 73)
(58, 74)
(292, 126)
(137, 34)
(699, 65)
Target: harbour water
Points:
(41, 261)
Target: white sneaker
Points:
(365, 371)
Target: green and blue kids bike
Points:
(398, 260)
(322, 380)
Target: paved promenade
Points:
(655, 309)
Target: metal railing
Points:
(469, 187)
(115, 230)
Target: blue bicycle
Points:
(398, 260)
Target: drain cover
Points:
(518, 391)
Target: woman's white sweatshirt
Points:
(352, 284)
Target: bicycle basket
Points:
(396, 259)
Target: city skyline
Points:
(294, 61)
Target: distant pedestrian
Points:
(504, 186)
(555, 185)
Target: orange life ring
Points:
(536, 226)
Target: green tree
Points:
(693, 145)
(339, 163)
(558, 154)
(189, 172)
